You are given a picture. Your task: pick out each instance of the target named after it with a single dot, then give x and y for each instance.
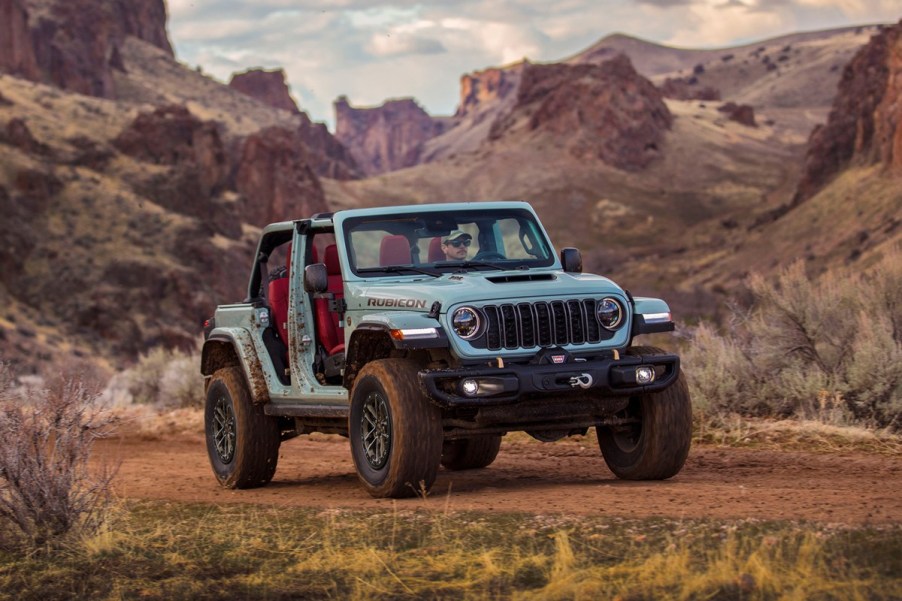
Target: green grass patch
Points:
(154, 550)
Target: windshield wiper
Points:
(466, 264)
(398, 269)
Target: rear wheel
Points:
(470, 453)
(395, 432)
(242, 442)
(654, 443)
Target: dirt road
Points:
(565, 477)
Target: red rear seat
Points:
(435, 250)
(394, 250)
(329, 329)
(278, 299)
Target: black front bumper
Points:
(510, 383)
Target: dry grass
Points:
(793, 435)
(157, 551)
(145, 422)
(737, 431)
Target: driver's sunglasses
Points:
(458, 243)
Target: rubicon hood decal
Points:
(409, 303)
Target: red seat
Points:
(329, 329)
(394, 250)
(278, 299)
(435, 250)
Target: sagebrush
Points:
(828, 348)
(47, 490)
(163, 378)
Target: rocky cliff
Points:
(17, 49)
(274, 170)
(127, 216)
(125, 232)
(327, 156)
(268, 87)
(865, 123)
(74, 44)
(269, 170)
(487, 87)
(387, 137)
(606, 111)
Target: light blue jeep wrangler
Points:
(424, 334)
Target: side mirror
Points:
(316, 278)
(572, 260)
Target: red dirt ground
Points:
(562, 478)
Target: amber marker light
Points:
(414, 333)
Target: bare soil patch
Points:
(568, 477)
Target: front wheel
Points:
(470, 453)
(395, 432)
(654, 443)
(242, 442)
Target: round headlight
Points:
(610, 313)
(466, 323)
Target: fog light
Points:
(645, 375)
(469, 387)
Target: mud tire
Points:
(657, 447)
(408, 437)
(242, 442)
(470, 453)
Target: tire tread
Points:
(470, 453)
(416, 431)
(663, 447)
(257, 441)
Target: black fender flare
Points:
(371, 341)
(227, 349)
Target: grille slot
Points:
(545, 323)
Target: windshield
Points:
(438, 242)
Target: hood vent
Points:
(526, 277)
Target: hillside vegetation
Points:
(827, 349)
(132, 207)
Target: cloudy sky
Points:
(373, 50)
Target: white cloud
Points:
(880, 10)
(372, 50)
(723, 23)
(381, 17)
(403, 43)
(499, 42)
(413, 37)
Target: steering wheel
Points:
(489, 255)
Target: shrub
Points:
(719, 373)
(46, 488)
(165, 379)
(830, 347)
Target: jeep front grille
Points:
(545, 323)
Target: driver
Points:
(456, 245)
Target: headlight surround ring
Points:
(467, 323)
(609, 313)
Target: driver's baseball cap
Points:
(455, 235)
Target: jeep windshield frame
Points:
(412, 243)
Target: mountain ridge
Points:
(130, 212)
(759, 75)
